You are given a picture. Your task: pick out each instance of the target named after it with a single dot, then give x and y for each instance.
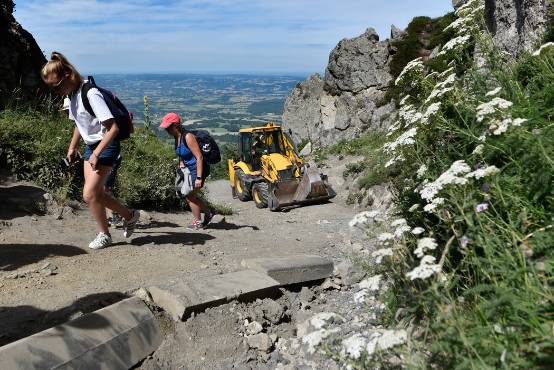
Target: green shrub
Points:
(491, 304)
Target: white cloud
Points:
(196, 35)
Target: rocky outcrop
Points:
(20, 59)
(344, 103)
(517, 25)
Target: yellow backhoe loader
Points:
(272, 173)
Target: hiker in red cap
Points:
(192, 171)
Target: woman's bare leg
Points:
(196, 205)
(97, 199)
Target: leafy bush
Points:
(472, 157)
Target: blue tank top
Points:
(184, 153)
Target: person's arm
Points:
(73, 144)
(192, 144)
(113, 130)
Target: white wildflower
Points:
(385, 237)
(418, 230)
(494, 92)
(394, 160)
(421, 171)
(430, 112)
(363, 218)
(491, 107)
(483, 137)
(423, 245)
(412, 68)
(431, 207)
(498, 127)
(354, 346)
(543, 47)
(478, 150)
(401, 230)
(443, 87)
(483, 172)
(426, 268)
(381, 253)
(404, 100)
(398, 222)
(413, 207)
(468, 8)
(456, 44)
(519, 121)
(450, 176)
(407, 138)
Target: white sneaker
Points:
(129, 225)
(101, 241)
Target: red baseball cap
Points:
(170, 119)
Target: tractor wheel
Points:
(260, 194)
(241, 187)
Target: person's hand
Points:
(93, 160)
(71, 154)
(197, 184)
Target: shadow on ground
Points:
(224, 225)
(21, 321)
(183, 238)
(14, 256)
(21, 200)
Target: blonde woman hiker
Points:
(99, 132)
(192, 171)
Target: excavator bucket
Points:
(310, 188)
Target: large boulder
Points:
(517, 25)
(302, 109)
(358, 64)
(345, 103)
(20, 59)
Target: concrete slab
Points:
(115, 337)
(291, 269)
(189, 295)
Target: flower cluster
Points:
(423, 245)
(413, 69)
(426, 269)
(495, 111)
(450, 176)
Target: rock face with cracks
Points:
(20, 58)
(344, 103)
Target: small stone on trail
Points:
(260, 341)
(254, 328)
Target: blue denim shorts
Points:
(206, 173)
(109, 154)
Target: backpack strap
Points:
(84, 95)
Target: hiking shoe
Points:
(208, 218)
(129, 225)
(195, 225)
(116, 220)
(101, 241)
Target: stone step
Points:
(181, 298)
(291, 269)
(114, 337)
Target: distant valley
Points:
(222, 104)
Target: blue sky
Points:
(264, 36)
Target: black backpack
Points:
(208, 146)
(123, 118)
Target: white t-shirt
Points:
(90, 127)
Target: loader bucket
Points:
(310, 188)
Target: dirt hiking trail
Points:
(48, 275)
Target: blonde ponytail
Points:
(59, 65)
